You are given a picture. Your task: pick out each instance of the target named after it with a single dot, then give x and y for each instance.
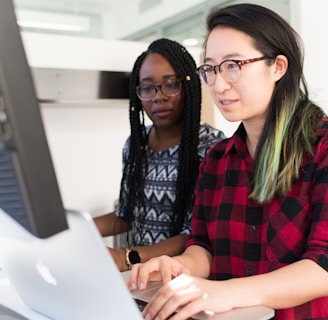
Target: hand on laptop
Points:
(162, 269)
(181, 293)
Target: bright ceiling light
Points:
(192, 42)
(52, 21)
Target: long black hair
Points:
(136, 166)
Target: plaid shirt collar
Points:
(238, 142)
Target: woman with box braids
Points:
(184, 65)
(160, 160)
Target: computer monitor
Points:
(29, 191)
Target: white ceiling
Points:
(141, 20)
(65, 5)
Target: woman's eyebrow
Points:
(165, 77)
(225, 57)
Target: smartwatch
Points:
(131, 257)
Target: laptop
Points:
(71, 275)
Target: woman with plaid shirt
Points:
(260, 221)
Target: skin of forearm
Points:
(286, 287)
(198, 254)
(171, 247)
(110, 225)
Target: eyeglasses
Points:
(229, 70)
(170, 87)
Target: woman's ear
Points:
(281, 66)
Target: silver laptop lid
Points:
(67, 276)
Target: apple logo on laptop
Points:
(45, 273)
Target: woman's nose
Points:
(160, 95)
(220, 84)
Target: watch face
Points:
(134, 257)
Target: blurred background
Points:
(137, 20)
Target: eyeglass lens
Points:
(229, 70)
(170, 88)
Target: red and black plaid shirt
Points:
(247, 238)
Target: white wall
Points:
(309, 18)
(86, 142)
(56, 51)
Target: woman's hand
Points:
(185, 296)
(195, 260)
(162, 268)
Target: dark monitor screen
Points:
(29, 191)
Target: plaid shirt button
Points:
(248, 272)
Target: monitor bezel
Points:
(23, 135)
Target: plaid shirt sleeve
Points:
(317, 239)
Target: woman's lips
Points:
(226, 104)
(162, 113)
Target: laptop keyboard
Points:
(141, 305)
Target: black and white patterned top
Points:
(160, 186)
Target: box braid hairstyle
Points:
(136, 166)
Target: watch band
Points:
(131, 257)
